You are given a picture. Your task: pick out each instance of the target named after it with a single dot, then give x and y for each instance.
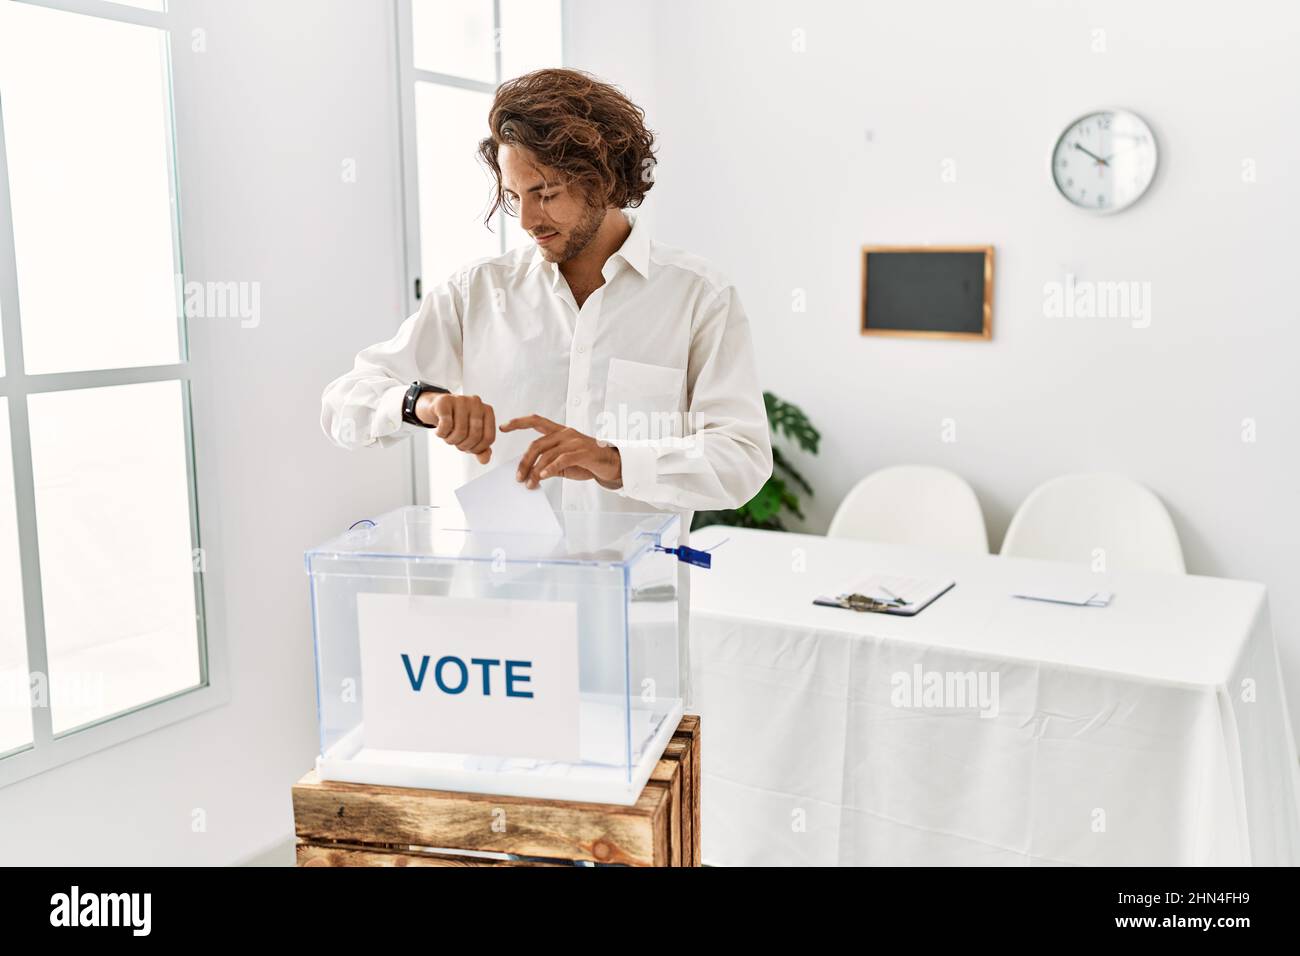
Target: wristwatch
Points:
(412, 396)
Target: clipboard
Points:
(874, 594)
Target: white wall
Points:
(615, 41)
(767, 169)
(284, 93)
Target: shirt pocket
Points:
(642, 401)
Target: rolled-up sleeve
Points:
(724, 454)
(364, 406)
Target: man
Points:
(619, 368)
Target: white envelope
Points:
(495, 503)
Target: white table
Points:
(1153, 731)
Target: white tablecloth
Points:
(1153, 731)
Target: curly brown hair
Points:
(570, 121)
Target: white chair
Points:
(1071, 517)
(913, 504)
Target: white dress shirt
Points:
(658, 361)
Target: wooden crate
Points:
(352, 824)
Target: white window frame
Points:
(47, 749)
(407, 76)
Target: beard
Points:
(579, 237)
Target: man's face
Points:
(555, 215)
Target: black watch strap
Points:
(412, 396)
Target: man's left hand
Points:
(564, 452)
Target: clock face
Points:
(1105, 161)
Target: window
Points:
(101, 596)
(454, 54)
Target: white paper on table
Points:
(1078, 597)
(496, 503)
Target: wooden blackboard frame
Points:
(984, 335)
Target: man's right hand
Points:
(465, 421)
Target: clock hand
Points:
(1092, 154)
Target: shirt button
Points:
(581, 349)
(577, 402)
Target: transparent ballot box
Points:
(520, 664)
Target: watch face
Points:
(1105, 161)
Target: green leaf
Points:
(765, 505)
(789, 419)
(780, 461)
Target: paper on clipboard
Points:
(896, 594)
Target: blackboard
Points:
(929, 291)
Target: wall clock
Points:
(1105, 161)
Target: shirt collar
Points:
(635, 251)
